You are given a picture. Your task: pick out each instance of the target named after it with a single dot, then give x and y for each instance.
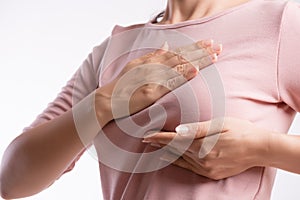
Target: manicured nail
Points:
(155, 145)
(182, 130)
(217, 48)
(208, 42)
(214, 57)
(150, 134)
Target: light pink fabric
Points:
(259, 68)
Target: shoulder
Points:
(272, 8)
(119, 29)
(290, 21)
(281, 6)
(292, 10)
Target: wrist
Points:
(85, 119)
(92, 113)
(259, 143)
(273, 153)
(103, 107)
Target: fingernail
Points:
(182, 130)
(217, 48)
(150, 134)
(214, 57)
(155, 145)
(208, 42)
(146, 141)
(165, 47)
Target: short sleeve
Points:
(84, 81)
(289, 56)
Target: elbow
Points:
(4, 191)
(18, 175)
(13, 191)
(7, 192)
(5, 185)
(9, 189)
(11, 186)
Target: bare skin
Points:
(36, 158)
(183, 10)
(256, 146)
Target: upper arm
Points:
(83, 82)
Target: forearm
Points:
(283, 152)
(36, 158)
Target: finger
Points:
(193, 160)
(176, 77)
(175, 150)
(178, 146)
(194, 46)
(181, 55)
(201, 129)
(181, 162)
(191, 53)
(175, 82)
(166, 79)
(204, 61)
(169, 157)
(195, 55)
(187, 70)
(210, 46)
(194, 51)
(216, 48)
(160, 138)
(164, 49)
(200, 58)
(169, 140)
(174, 60)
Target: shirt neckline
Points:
(150, 23)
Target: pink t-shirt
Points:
(256, 78)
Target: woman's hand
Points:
(144, 80)
(141, 82)
(220, 148)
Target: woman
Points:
(48, 148)
(259, 84)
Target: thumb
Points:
(201, 129)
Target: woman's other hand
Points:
(220, 148)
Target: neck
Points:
(183, 10)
